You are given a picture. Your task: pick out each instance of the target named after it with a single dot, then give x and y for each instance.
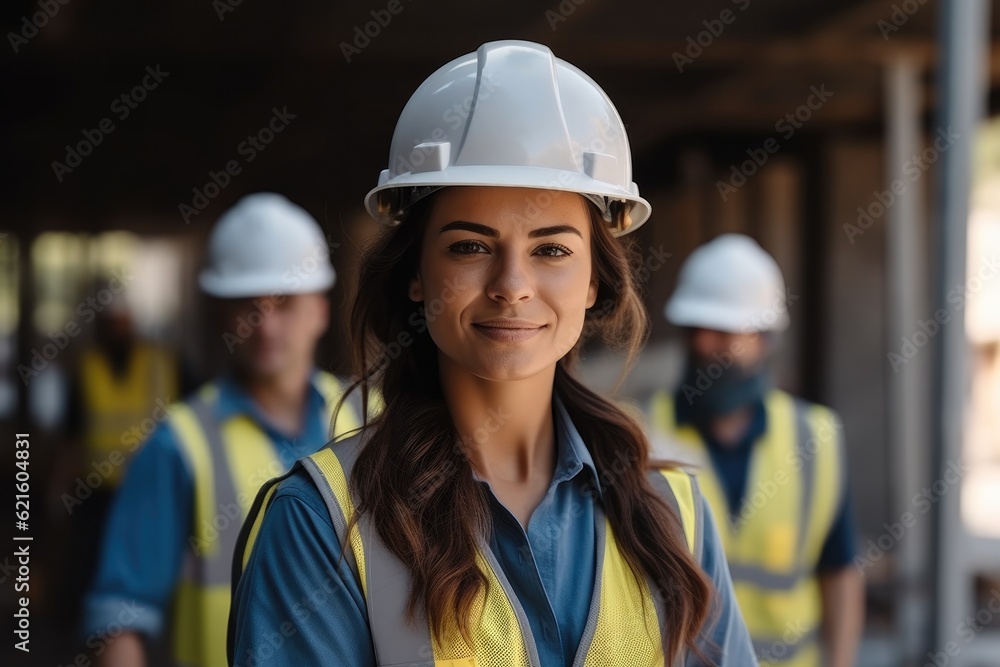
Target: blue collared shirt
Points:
(294, 574)
(151, 517)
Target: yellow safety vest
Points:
(230, 460)
(625, 621)
(794, 489)
(116, 405)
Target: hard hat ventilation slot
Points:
(430, 156)
(600, 166)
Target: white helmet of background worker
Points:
(266, 245)
(514, 115)
(729, 284)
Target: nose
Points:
(707, 342)
(511, 280)
(270, 320)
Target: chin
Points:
(267, 367)
(511, 369)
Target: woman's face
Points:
(506, 276)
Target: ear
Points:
(416, 291)
(592, 293)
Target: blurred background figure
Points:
(772, 466)
(169, 542)
(121, 380)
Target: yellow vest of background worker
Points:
(230, 460)
(115, 405)
(502, 635)
(794, 488)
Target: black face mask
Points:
(712, 389)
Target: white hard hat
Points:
(266, 245)
(511, 114)
(729, 284)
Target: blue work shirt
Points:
(293, 575)
(152, 515)
(732, 465)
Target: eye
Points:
(554, 250)
(468, 248)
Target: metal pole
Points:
(908, 396)
(963, 38)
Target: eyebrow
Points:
(471, 227)
(493, 234)
(553, 230)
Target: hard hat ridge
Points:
(510, 114)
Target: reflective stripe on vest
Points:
(623, 627)
(229, 460)
(116, 405)
(794, 488)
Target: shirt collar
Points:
(572, 454)
(234, 400)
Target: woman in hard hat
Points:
(498, 512)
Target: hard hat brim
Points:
(239, 287)
(688, 313)
(539, 178)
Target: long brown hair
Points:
(415, 481)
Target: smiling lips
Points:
(508, 330)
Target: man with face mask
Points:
(771, 465)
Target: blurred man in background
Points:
(172, 528)
(120, 380)
(772, 466)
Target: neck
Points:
(729, 429)
(506, 427)
(281, 397)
